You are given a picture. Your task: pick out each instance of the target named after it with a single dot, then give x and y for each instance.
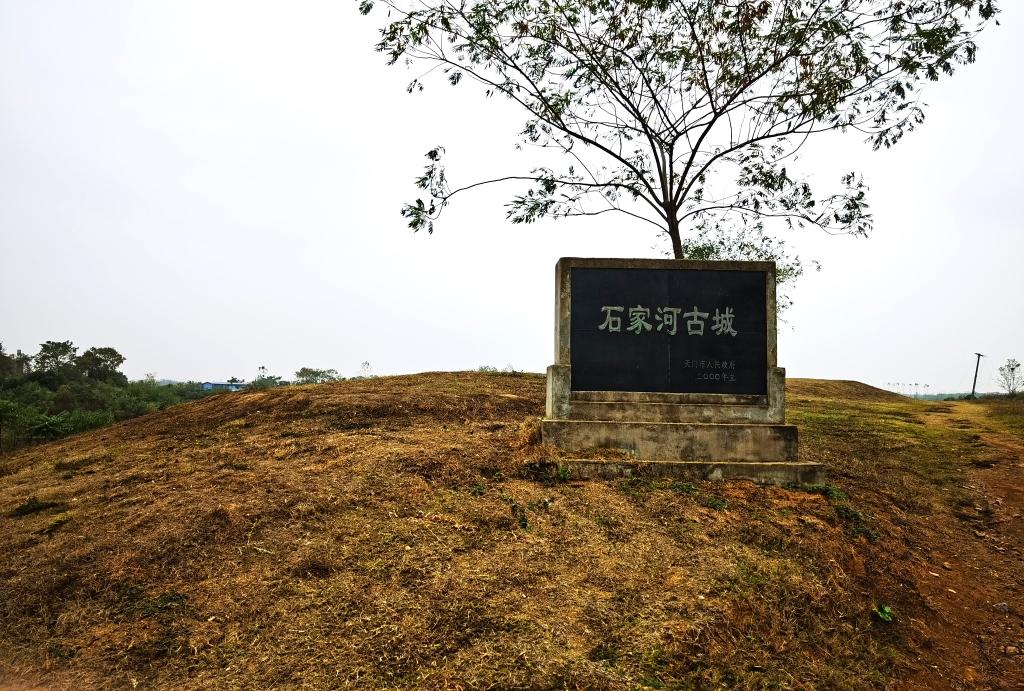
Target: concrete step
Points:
(676, 441)
(622, 411)
(780, 473)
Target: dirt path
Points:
(974, 578)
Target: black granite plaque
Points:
(668, 330)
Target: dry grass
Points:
(1005, 411)
(385, 533)
(839, 389)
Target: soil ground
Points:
(394, 533)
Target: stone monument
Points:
(673, 364)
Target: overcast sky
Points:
(213, 186)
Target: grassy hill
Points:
(391, 533)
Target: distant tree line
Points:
(310, 375)
(59, 391)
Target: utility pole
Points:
(977, 364)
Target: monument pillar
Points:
(673, 364)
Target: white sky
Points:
(213, 186)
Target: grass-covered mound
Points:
(391, 532)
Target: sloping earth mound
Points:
(840, 390)
(391, 533)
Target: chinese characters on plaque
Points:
(667, 330)
(721, 370)
(667, 320)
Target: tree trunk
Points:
(673, 232)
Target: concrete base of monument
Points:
(781, 473)
(676, 441)
(763, 453)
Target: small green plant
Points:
(715, 502)
(519, 513)
(856, 521)
(604, 652)
(547, 472)
(539, 504)
(653, 662)
(477, 490)
(830, 491)
(884, 613)
(486, 368)
(636, 487)
(517, 509)
(682, 487)
(61, 652)
(492, 473)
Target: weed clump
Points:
(56, 524)
(75, 464)
(60, 652)
(884, 613)
(138, 605)
(604, 652)
(547, 472)
(826, 490)
(856, 522)
(34, 505)
(518, 511)
(713, 501)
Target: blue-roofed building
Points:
(223, 386)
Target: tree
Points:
(6, 365)
(309, 375)
(1011, 377)
(55, 356)
(265, 380)
(687, 114)
(10, 413)
(102, 364)
(53, 365)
